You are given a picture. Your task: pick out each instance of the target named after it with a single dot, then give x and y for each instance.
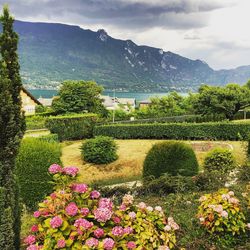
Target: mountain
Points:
(50, 53)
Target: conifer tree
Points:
(12, 126)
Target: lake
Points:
(46, 93)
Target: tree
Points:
(78, 97)
(248, 84)
(12, 126)
(226, 100)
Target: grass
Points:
(131, 156)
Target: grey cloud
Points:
(132, 14)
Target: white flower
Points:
(224, 214)
(150, 209)
(167, 228)
(231, 193)
(158, 208)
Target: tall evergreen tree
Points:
(12, 126)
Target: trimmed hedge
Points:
(73, 127)
(99, 150)
(32, 163)
(173, 158)
(178, 131)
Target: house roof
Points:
(145, 102)
(30, 95)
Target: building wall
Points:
(28, 104)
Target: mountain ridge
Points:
(52, 52)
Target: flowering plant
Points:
(220, 212)
(76, 217)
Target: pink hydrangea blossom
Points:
(218, 208)
(37, 214)
(123, 207)
(233, 200)
(118, 231)
(105, 203)
(82, 223)
(150, 209)
(224, 214)
(231, 193)
(167, 228)
(61, 243)
(128, 230)
(142, 205)
(95, 194)
(53, 196)
(34, 247)
(56, 222)
(34, 228)
(72, 171)
(248, 225)
(99, 233)
(127, 199)
(117, 220)
(71, 209)
(132, 215)
(131, 245)
(84, 211)
(108, 244)
(92, 242)
(102, 214)
(163, 248)
(158, 209)
(55, 168)
(30, 239)
(80, 188)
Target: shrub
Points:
(248, 147)
(174, 158)
(49, 138)
(76, 217)
(99, 150)
(244, 173)
(72, 127)
(35, 122)
(219, 159)
(177, 131)
(33, 160)
(220, 213)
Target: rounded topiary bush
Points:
(99, 150)
(33, 160)
(174, 158)
(219, 159)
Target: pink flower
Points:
(233, 200)
(72, 171)
(80, 188)
(102, 214)
(84, 211)
(131, 245)
(167, 228)
(128, 230)
(218, 208)
(37, 214)
(71, 209)
(56, 222)
(95, 194)
(82, 223)
(142, 205)
(116, 220)
(108, 244)
(248, 225)
(53, 196)
(117, 231)
(123, 207)
(61, 243)
(231, 193)
(105, 203)
(224, 214)
(163, 248)
(55, 168)
(132, 215)
(98, 233)
(92, 242)
(158, 209)
(30, 239)
(127, 199)
(150, 209)
(34, 247)
(34, 228)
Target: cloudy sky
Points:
(216, 31)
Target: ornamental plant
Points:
(76, 217)
(220, 212)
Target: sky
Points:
(215, 31)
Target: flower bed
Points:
(76, 217)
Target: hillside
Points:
(50, 53)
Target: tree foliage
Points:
(78, 97)
(11, 131)
(226, 100)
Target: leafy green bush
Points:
(49, 138)
(244, 173)
(177, 131)
(219, 159)
(174, 158)
(35, 122)
(99, 150)
(33, 160)
(72, 127)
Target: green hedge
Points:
(32, 163)
(35, 122)
(178, 131)
(72, 127)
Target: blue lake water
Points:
(46, 93)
